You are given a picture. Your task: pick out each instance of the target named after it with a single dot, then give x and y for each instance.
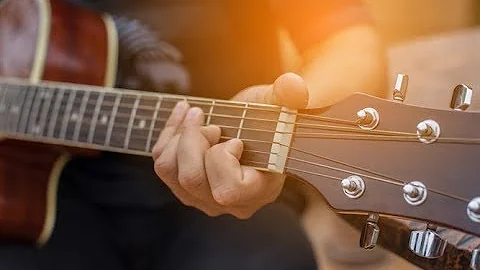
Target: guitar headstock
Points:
(370, 155)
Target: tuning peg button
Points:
(401, 85)
(475, 261)
(461, 97)
(473, 209)
(370, 232)
(427, 244)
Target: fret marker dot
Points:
(142, 123)
(15, 109)
(74, 117)
(104, 120)
(36, 129)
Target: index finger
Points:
(172, 125)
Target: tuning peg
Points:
(400, 90)
(427, 244)
(370, 232)
(473, 209)
(475, 261)
(461, 97)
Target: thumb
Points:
(288, 90)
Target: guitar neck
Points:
(123, 120)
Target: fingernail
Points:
(234, 147)
(180, 107)
(193, 114)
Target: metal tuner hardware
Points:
(461, 97)
(428, 131)
(368, 118)
(427, 243)
(473, 209)
(370, 232)
(415, 193)
(475, 261)
(400, 89)
(353, 186)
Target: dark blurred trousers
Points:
(91, 236)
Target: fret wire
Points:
(56, 110)
(209, 118)
(96, 113)
(3, 109)
(6, 109)
(152, 123)
(328, 127)
(22, 94)
(31, 91)
(45, 110)
(81, 113)
(66, 114)
(112, 119)
(35, 109)
(204, 101)
(242, 120)
(133, 114)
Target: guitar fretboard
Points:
(124, 121)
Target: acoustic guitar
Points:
(365, 155)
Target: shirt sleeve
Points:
(309, 22)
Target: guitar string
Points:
(382, 135)
(156, 98)
(314, 126)
(324, 127)
(319, 164)
(199, 101)
(401, 183)
(337, 128)
(353, 167)
(315, 135)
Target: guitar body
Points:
(55, 41)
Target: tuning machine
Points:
(475, 261)
(427, 243)
(400, 89)
(370, 232)
(461, 97)
(473, 209)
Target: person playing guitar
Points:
(113, 212)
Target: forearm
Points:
(351, 61)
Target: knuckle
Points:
(243, 214)
(211, 212)
(226, 197)
(191, 179)
(164, 167)
(156, 151)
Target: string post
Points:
(349, 185)
(428, 131)
(353, 186)
(424, 129)
(368, 118)
(473, 209)
(415, 193)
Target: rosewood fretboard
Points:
(124, 121)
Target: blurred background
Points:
(435, 42)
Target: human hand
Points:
(206, 174)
